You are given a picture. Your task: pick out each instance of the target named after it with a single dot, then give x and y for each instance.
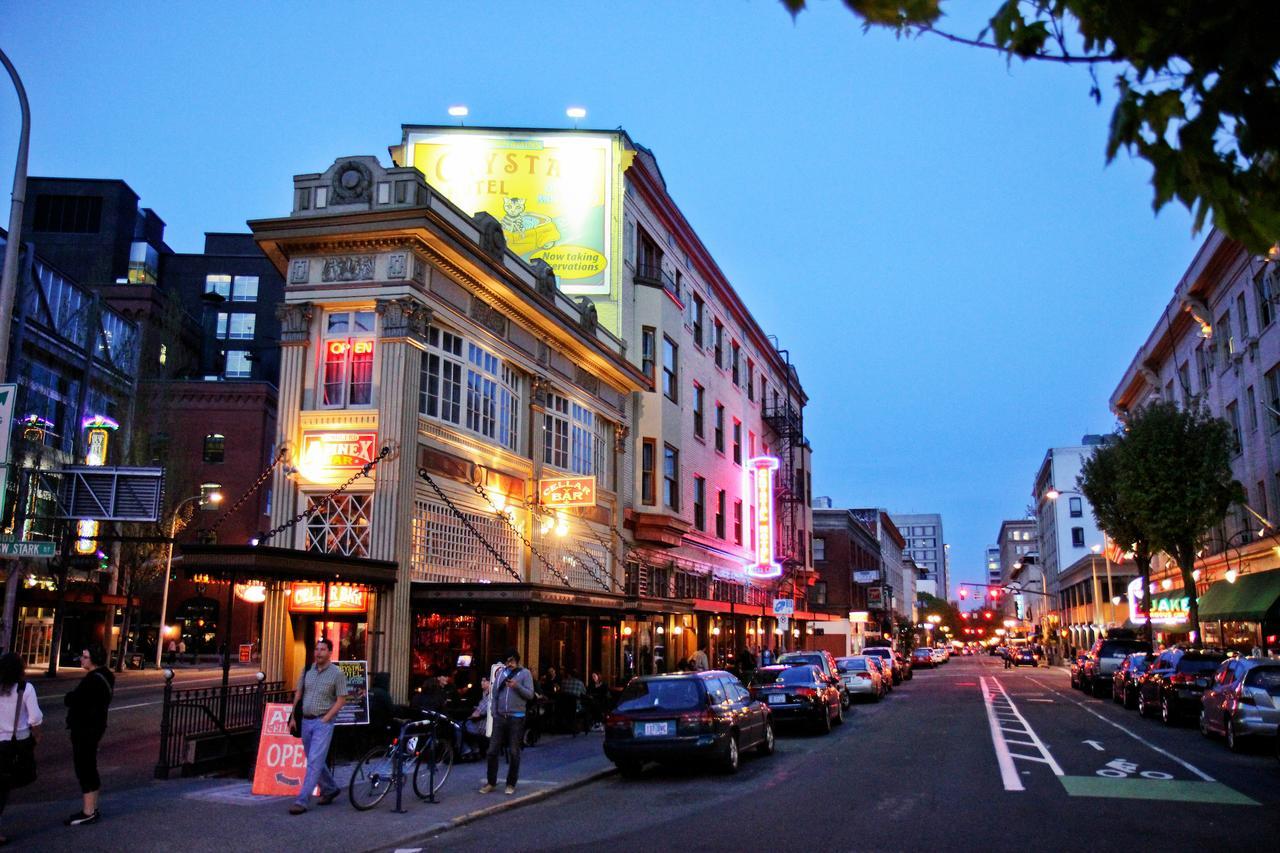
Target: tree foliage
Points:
(931, 605)
(1198, 94)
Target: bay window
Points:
(348, 358)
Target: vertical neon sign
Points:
(761, 470)
(100, 428)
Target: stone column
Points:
(538, 388)
(402, 339)
(295, 338)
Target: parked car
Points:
(1175, 682)
(1097, 671)
(1077, 664)
(861, 677)
(686, 715)
(939, 656)
(824, 661)
(886, 674)
(799, 692)
(1124, 683)
(1243, 701)
(886, 654)
(1024, 656)
(904, 665)
(922, 657)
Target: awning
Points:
(1247, 600)
(266, 563)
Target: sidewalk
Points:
(222, 814)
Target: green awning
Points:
(1246, 600)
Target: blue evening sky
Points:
(932, 233)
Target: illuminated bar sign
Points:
(567, 491)
(330, 450)
(1170, 609)
(343, 598)
(761, 471)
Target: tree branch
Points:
(1065, 59)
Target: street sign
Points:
(11, 549)
(875, 597)
(784, 607)
(866, 577)
(784, 622)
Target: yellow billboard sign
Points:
(552, 192)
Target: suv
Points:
(890, 660)
(825, 662)
(1099, 669)
(1176, 682)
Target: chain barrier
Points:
(317, 503)
(480, 490)
(257, 484)
(604, 571)
(466, 522)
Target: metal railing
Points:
(226, 711)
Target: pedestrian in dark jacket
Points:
(87, 720)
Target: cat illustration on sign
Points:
(527, 231)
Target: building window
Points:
(570, 437)
(244, 288)
(1273, 397)
(1075, 507)
(819, 548)
(720, 427)
(236, 327)
(699, 502)
(493, 397)
(1262, 499)
(818, 592)
(735, 353)
(1242, 319)
(68, 214)
(720, 508)
(1262, 296)
(648, 350)
(218, 284)
(737, 441)
(671, 478)
(751, 380)
(670, 369)
(440, 384)
(1224, 335)
(215, 447)
(1077, 537)
(699, 312)
(648, 473)
(348, 358)
(239, 365)
(719, 344)
(737, 522)
(1252, 399)
(1233, 418)
(699, 403)
(751, 517)
(339, 524)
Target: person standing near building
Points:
(87, 721)
(700, 661)
(20, 719)
(322, 690)
(512, 689)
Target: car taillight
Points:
(807, 692)
(1183, 678)
(617, 722)
(695, 723)
(865, 675)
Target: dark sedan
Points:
(699, 715)
(1024, 656)
(1175, 683)
(1124, 684)
(800, 692)
(1077, 666)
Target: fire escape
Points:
(784, 415)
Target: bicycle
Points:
(383, 767)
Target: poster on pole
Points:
(356, 710)
(282, 762)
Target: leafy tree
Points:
(1100, 481)
(931, 605)
(1176, 479)
(1198, 93)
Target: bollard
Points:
(162, 766)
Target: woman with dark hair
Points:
(87, 719)
(20, 719)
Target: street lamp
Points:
(214, 498)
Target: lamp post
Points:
(213, 498)
(9, 273)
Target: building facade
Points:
(927, 546)
(1066, 530)
(1017, 538)
(847, 560)
(897, 598)
(1216, 345)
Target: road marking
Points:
(1003, 758)
(1048, 701)
(1184, 790)
(1196, 770)
(138, 705)
(1094, 744)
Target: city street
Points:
(920, 770)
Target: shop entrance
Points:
(348, 637)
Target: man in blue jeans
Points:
(323, 691)
(511, 690)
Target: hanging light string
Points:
(482, 492)
(466, 522)
(600, 577)
(257, 484)
(317, 503)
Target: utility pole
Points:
(8, 289)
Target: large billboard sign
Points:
(552, 192)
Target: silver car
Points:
(861, 677)
(1243, 701)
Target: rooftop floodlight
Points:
(459, 111)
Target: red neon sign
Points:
(761, 470)
(357, 347)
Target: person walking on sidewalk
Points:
(87, 720)
(322, 690)
(512, 689)
(20, 720)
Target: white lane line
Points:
(1030, 732)
(138, 705)
(1007, 771)
(1196, 770)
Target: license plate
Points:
(777, 699)
(654, 729)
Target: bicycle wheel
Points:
(372, 778)
(438, 752)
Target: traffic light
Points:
(986, 614)
(995, 593)
(964, 593)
